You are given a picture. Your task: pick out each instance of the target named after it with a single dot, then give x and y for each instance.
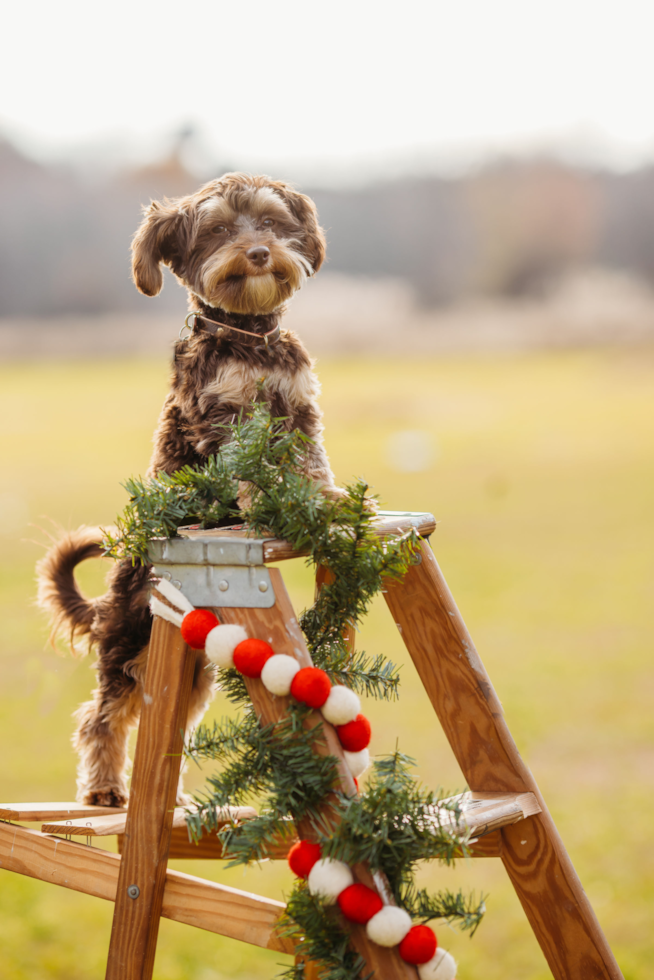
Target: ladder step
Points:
(484, 812)
(108, 825)
(53, 811)
(205, 904)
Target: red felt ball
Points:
(196, 626)
(311, 686)
(355, 735)
(302, 857)
(250, 656)
(358, 903)
(419, 945)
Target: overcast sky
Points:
(332, 86)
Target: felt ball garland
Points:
(278, 673)
(196, 626)
(419, 945)
(250, 656)
(341, 706)
(386, 925)
(328, 878)
(221, 643)
(389, 926)
(311, 686)
(357, 762)
(358, 903)
(228, 645)
(442, 966)
(302, 857)
(355, 736)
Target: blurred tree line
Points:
(507, 229)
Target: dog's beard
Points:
(230, 282)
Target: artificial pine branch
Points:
(278, 761)
(284, 502)
(394, 823)
(467, 911)
(320, 937)
(371, 676)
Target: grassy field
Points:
(540, 470)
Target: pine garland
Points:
(391, 826)
(338, 534)
(277, 762)
(394, 823)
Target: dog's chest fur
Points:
(215, 378)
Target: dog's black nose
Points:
(259, 254)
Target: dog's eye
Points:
(219, 229)
(268, 222)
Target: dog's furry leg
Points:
(101, 739)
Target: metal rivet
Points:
(176, 583)
(223, 585)
(133, 891)
(263, 586)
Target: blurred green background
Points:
(539, 468)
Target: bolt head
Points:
(223, 585)
(263, 586)
(133, 891)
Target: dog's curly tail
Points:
(58, 593)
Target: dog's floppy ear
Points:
(305, 211)
(153, 243)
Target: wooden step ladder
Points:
(504, 808)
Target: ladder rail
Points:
(155, 776)
(470, 713)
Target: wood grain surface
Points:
(471, 715)
(278, 626)
(193, 901)
(53, 811)
(107, 826)
(209, 847)
(155, 775)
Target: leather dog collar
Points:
(215, 327)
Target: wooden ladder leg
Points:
(278, 625)
(155, 774)
(462, 695)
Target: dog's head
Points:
(241, 243)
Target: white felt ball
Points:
(341, 706)
(278, 672)
(389, 926)
(328, 878)
(222, 641)
(442, 966)
(357, 762)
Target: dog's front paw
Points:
(184, 799)
(244, 496)
(107, 797)
(337, 493)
